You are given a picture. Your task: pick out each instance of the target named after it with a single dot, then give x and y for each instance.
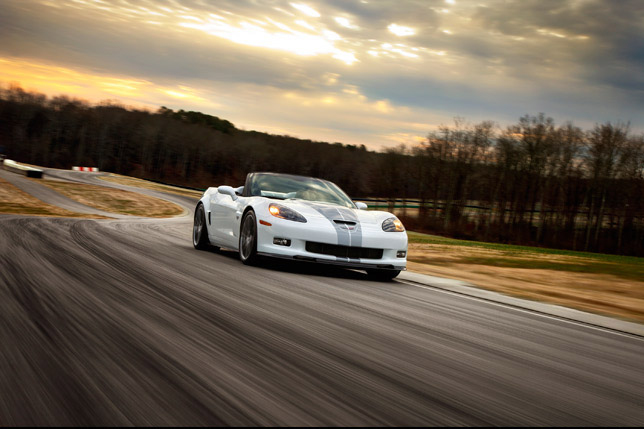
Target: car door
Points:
(224, 214)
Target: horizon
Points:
(457, 122)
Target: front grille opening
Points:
(343, 251)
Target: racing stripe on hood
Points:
(346, 237)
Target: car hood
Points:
(335, 213)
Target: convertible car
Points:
(300, 218)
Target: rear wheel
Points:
(199, 229)
(248, 239)
(383, 275)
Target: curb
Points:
(468, 289)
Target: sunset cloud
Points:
(357, 72)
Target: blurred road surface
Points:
(122, 322)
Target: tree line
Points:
(533, 182)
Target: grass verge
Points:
(115, 200)
(140, 183)
(605, 284)
(511, 256)
(15, 201)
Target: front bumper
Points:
(298, 234)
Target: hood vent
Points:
(344, 222)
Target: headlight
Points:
(284, 212)
(393, 224)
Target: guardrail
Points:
(25, 170)
(396, 203)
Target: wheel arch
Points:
(206, 209)
(250, 259)
(246, 210)
(203, 242)
(241, 218)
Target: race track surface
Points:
(122, 322)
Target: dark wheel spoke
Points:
(199, 234)
(248, 239)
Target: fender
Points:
(205, 200)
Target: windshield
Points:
(284, 187)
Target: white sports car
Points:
(301, 218)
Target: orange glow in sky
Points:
(366, 72)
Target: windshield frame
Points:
(313, 184)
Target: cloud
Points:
(433, 59)
(401, 30)
(600, 39)
(307, 10)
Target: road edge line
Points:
(561, 312)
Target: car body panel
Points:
(326, 224)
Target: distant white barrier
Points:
(14, 167)
(92, 169)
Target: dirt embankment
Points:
(606, 294)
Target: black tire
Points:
(199, 229)
(383, 275)
(248, 239)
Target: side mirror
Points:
(239, 190)
(361, 206)
(227, 190)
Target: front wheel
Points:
(383, 275)
(199, 230)
(248, 239)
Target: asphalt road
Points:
(122, 322)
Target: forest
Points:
(533, 182)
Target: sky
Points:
(372, 72)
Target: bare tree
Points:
(606, 143)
